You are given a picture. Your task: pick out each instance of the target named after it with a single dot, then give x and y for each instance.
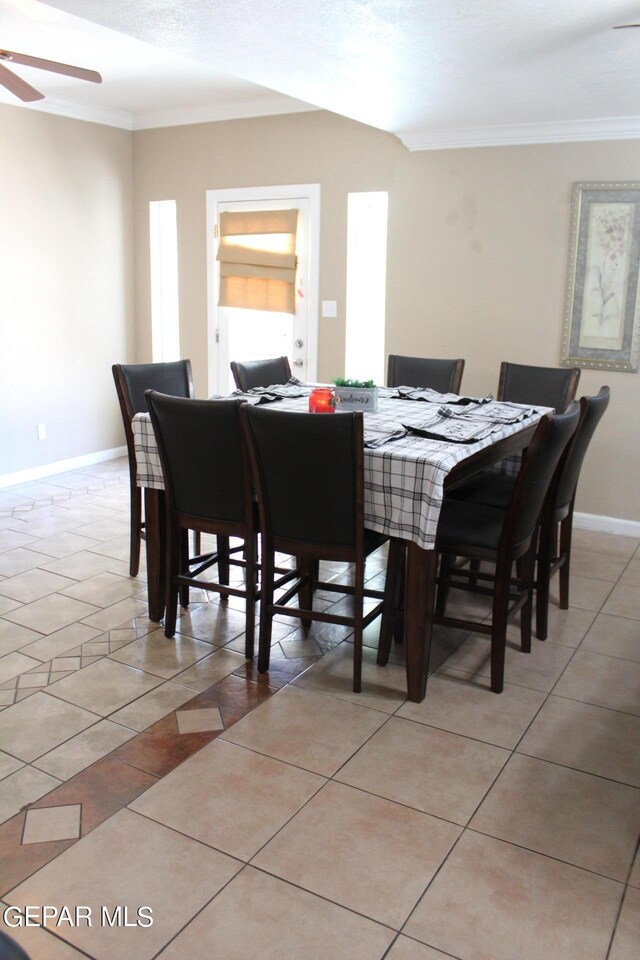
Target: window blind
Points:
(257, 256)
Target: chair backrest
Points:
(592, 410)
(540, 386)
(308, 472)
(202, 455)
(133, 379)
(445, 376)
(537, 473)
(260, 373)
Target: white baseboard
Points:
(60, 466)
(592, 521)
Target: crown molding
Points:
(76, 111)
(210, 113)
(562, 131)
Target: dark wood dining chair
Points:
(445, 376)
(260, 373)
(538, 386)
(503, 537)
(309, 477)
(131, 380)
(207, 489)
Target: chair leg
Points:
(566, 529)
(546, 545)
(307, 569)
(499, 628)
(173, 569)
(250, 628)
(442, 595)
(474, 569)
(266, 601)
(223, 561)
(392, 598)
(184, 566)
(527, 569)
(136, 526)
(358, 602)
(197, 543)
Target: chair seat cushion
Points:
(472, 525)
(488, 488)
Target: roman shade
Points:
(257, 255)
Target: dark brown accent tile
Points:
(235, 696)
(18, 862)
(160, 748)
(281, 671)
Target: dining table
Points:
(418, 445)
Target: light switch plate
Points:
(329, 308)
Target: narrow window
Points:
(366, 285)
(165, 326)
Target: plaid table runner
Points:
(404, 473)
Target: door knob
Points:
(299, 343)
(298, 363)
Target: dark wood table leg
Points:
(156, 552)
(418, 617)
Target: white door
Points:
(240, 334)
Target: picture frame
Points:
(601, 328)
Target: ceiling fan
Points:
(24, 90)
(626, 26)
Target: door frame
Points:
(304, 191)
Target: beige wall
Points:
(66, 285)
(477, 251)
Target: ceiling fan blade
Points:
(626, 26)
(18, 86)
(52, 65)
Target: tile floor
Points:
(286, 814)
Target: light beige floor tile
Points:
(431, 770)
(599, 566)
(17, 561)
(104, 530)
(13, 664)
(302, 647)
(58, 643)
(24, 786)
(567, 627)
(34, 726)
(14, 637)
(627, 938)
(51, 613)
(154, 705)
(117, 614)
(286, 923)
(607, 543)
(634, 878)
(464, 704)
(161, 656)
(407, 949)
(214, 667)
(383, 688)
(537, 670)
(117, 549)
(106, 868)
(585, 593)
(84, 749)
(52, 823)
(63, 542)
(614, 636)
(6, 603)
(572, 816)
(593, 739)
(307, 729)
(624, 601)
(215, 623)
(604, 681)
(82, 565)
(199, 720)
(104, 686)
(8, 765)
(32, 585)
(229, 798)
(494, 900)
(41, 944)
(28, 680)
(630, 577)
(12, 539)
(365, 853)
(102, 590)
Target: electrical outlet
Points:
(42, 431)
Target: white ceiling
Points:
(437, 73)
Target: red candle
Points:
(322, 400)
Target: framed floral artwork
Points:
(601, 324)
